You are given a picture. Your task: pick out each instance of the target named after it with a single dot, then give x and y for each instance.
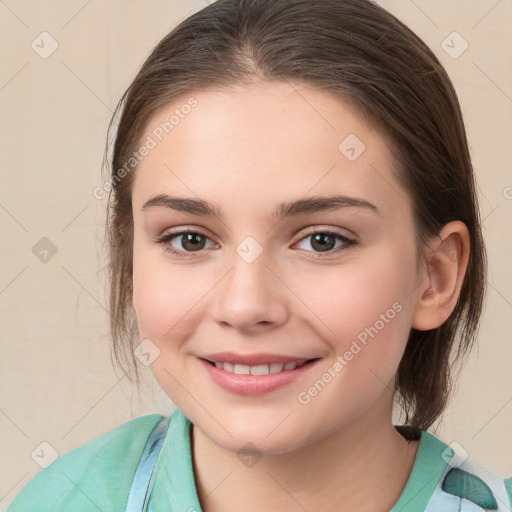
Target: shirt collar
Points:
(429, 465)
(175, 488)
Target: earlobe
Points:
(442, 277)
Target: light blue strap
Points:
(140, 489)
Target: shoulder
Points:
(95, 475)
(468, 479)
(479, 486)
(444, 477)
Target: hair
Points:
(363, 55)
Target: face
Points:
(330, 283)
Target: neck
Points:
(363, 466)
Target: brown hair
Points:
(362, 54)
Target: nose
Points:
(251, 296)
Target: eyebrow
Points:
(285, 209)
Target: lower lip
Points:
(255, 384)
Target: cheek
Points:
(364, 310)
(165, 295)
(353, 296)
(164, 298)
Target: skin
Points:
(246, 149)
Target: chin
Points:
(263, 441)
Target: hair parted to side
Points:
(363, 55)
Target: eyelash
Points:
(165, 239)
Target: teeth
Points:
(242, 369)
(275, 367)
(260, 369)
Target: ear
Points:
(441, 278)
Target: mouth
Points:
(259, 369)
(257, 379)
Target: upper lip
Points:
(253, 359)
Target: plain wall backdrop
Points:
(64, 66)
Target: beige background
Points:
(57, 382)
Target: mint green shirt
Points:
(97, 476)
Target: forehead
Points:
(263, 143)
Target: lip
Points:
(253, 359)
(251, 385)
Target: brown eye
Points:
(325, 242)
(192, 241)
(188, 242)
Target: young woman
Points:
(294, 235)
